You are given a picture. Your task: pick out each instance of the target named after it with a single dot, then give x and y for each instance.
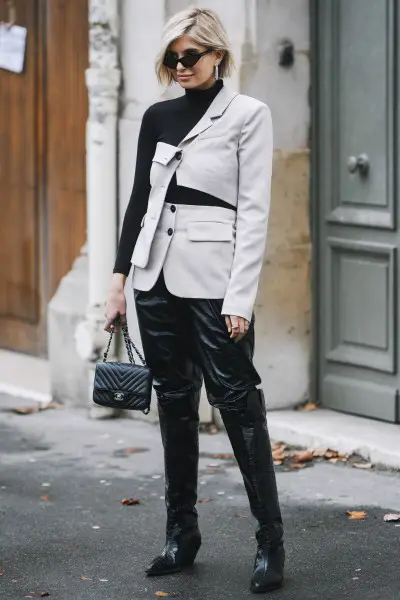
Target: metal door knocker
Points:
(358, 163)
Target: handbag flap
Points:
(123, 377)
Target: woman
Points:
(195, 231)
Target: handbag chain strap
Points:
(128, 344)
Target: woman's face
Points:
(201, 75)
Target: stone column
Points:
(103, 82)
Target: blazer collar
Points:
(217, 107)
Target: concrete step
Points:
(24, 376)
(376, 441)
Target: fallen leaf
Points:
(391, 517)
(210, 471)
(204, 500)
(132, 450)
(279, 447)
(297, 466)
(124, 452)
(356, 515)
(38, 595)
(1, 573)
(333, 460)
(302, 456)
(241, 516)
(362, 465)
(130, 501)
(85, 578)
(162, 594)
(331, 454)
(278, 453)
(25, 410)
(223, 456)
(45, 498)
(307, 407)
(277, 463)
(319, 452)
(278, 457)
(50, 405)
(210, 428)
(213, 466)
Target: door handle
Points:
(359, 163)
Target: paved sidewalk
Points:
(64, 530)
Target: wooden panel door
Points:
(21, 192)
(43, 113)
(356, 195)
(66, 115)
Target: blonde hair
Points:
(205, 28)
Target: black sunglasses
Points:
(171, 61)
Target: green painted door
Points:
(356, 198)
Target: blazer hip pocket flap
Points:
(210, 231)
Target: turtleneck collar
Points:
(197, 96)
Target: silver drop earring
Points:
(216, 72)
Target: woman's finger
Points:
(234, 326)
(110, 323)
(241, 326)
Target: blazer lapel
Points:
(215, 110)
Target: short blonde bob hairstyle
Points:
(205, 28)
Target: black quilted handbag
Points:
(123, 385)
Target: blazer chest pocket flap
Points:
(165, 153)
(209, 231)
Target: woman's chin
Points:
(186, 82)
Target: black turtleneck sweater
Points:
(169, 121)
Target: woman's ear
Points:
(219, 54)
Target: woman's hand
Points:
(237, 327)
(116, 303)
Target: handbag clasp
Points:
(118, 396)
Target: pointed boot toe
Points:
(268, 569)
(178, 553)
(162, 565)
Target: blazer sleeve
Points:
(255, 154)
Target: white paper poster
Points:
(12, 47)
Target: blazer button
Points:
(178, 155)
(170, 231)
(173, 208)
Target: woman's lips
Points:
(184, 76)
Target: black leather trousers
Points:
(184, 340)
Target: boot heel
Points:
(190, 556)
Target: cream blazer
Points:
(227, 154)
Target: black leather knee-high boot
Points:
(248, 434)
(179, 424)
